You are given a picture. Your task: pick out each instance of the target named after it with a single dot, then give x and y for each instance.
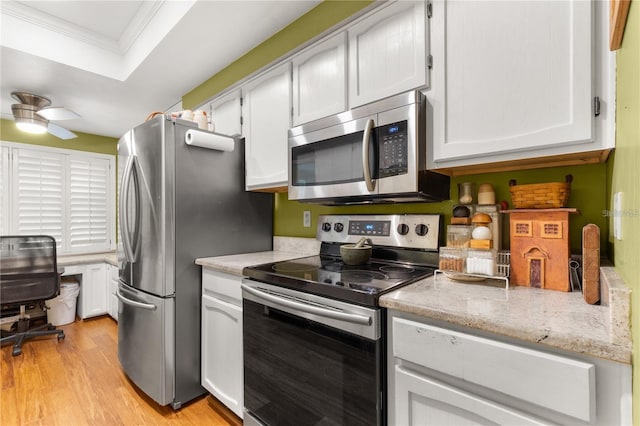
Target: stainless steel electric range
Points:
(313, 331)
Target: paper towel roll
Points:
(209, 140)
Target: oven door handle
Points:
(310, 309)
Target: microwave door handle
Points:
(371, 185)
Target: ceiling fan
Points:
(34, 114)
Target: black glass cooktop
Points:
(328, 276)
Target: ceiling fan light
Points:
(31, 127)
(27, 120)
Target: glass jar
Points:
(466, 192)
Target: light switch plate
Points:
(617, 215)
(306, 219)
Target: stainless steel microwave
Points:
(375, 153)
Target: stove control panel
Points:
(417, 231)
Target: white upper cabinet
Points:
(512, 80)
(267, 119)
(388, 52)
(319, 80)
(226, 112)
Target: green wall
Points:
(626, 179)
(84, 142)
(317, 20)
(588, 195)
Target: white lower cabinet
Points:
(113, 287)
(422, 400)
(438, 375)
(222, 368)
(94, 288)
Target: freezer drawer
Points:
(146, 336)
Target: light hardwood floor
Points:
(78, 381)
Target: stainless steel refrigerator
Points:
(176, 203)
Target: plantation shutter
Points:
(88, 209)
(38, 198)
(5, 187)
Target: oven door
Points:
(309, 360)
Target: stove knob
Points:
(327, 280)
(422, 229)
(338, 227)
(403, 229)
(326, 227)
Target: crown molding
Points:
(139, 22)
(33, 16)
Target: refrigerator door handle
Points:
(134, 303)
(135, 241)
(122, 202)
(127, 177)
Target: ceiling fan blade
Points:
(57, 113)
(60, 132)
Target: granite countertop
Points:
(554, 318)
(557, 319)
(284, 248)
(83, 259)
(235, 263)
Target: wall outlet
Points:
(617, 215)
(306, 219)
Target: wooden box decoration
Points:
(540, 247)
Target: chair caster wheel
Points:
(16, 351)
(51, 327)
(60, 337)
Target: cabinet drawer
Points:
(551, 381)
(441, 404)
(221, 285)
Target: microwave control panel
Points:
(393, 149)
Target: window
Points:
(522, 228)
(551, 229)
(67, 194)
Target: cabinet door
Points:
(113, 287)
(423, 401)
(510, 77)
(222, 369)
(388, 52)
(267, 118)
(226, 113)
(94, 291)
(319, 80)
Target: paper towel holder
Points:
(210, 140)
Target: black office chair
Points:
(28, 277)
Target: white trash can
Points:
(62, 309)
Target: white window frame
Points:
(10, 214)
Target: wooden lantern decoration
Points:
(540, 247)
(482, 233)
